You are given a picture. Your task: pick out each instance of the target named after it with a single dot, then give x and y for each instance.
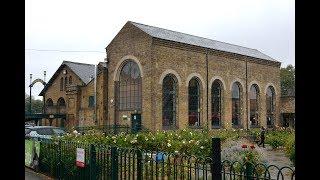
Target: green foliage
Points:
(287, 79)
(36, 104)
(290, 148)
(278, 138)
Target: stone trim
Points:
(240, 82)
(217, 78)
(120, 64)
(195, 75)
(270, 84)
(170, 71)
(252, 83)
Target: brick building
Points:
(70, 95)
(174, 80)
(288, 109)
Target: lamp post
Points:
(30, 94)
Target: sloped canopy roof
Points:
(82, 70)
(200, 41)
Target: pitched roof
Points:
(82, 70)
(200, 41)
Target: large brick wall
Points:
(158, 58)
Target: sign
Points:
(32, 151)
(80, 157)
(51, 116)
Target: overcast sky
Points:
(90, 25)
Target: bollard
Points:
(139, 165)
(114, 163)
(216, 167)
(93, 173)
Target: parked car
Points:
(43, 132)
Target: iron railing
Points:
(58, 159)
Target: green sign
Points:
(31, 152)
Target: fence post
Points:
(93, 173)
(114, 163)
(139, 164)
(249, 170)
(59, 160)
(216, 167)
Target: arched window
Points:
(254, 111)
(65, 83)
(61, 109)
(169, 101)
(194, 102)
(270, 106)
(70, 80)
(130, 87)
(216, 104)
(49, 102)
(236, 105)
(61, 84)
(61, 102)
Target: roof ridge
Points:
(192, 35)
(78, 63)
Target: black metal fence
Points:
(108, 129)
(58, 159)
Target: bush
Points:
(290, 148)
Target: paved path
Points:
(276, 156)
(31, 175)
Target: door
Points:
(135, 123)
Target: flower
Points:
(252, 146)
(201, 147)
(168, 144)
(244, 146)
(114, 141)
(197, 143)
(146, 139)
(176, 152)
(183, 142)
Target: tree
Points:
(36, 104)
(287, 80)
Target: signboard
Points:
(32, 151)
(80, 157)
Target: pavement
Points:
(32, 175)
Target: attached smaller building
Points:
(288, 110)
(72, 93)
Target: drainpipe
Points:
(247, 94)
(30, 93)
(95, 95)
(207, 87)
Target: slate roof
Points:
(82, 70)
(200, 41)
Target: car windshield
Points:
(45, 131)
(26, 131)
(58, 131)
